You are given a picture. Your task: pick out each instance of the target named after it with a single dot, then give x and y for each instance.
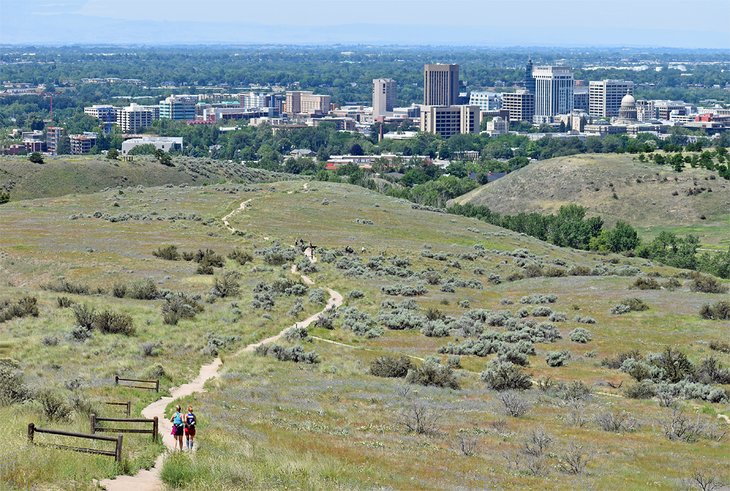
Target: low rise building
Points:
(520, 104)
(54, 134)
(165, 143)
(105, 113)
(178, 107)
(450, 120)
(83, 143)
(134, 118)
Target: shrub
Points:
(436, 329)
(227, 284)
(64, 302)
(616, 422)
(391, 366)
(418, 418)
(433, 374)
(509, 354)
(150, 349)
(718, 311)
(296, 333)
(63, 286)
(557, 358)
(294, 353)
(538, 299)
(573, 460)
(110, 322)
(23, 307)
(674, 364)
(558, 317)
(710, 370)
(216, 342)
(79, 333)
(542, 311)
(641, 390)
(50, 340)
(617, 361)
(360, 323)
(720, 346)
(355, 294)
(318, 295)
(179, 306)
(629, 305)
(707, 284)
(645, 283)
(276, 255)
(681, 427)
(53, 404)
(514, 404)
(580, 335)
(404, 290)
(170, 253)
(119, 290)
(85, 316)
(584, 320)
(325, 321)
(12, 387)
(240, 256)
(502, 375)
(143, 290)
(570, 392)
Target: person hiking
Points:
(177, 428)
(190, 428)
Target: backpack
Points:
(190, 420)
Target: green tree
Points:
(113, 154)
(36, 158)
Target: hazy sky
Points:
(673, 23)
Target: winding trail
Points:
(150, 480)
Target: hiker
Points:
(190, 428)
(177, 428)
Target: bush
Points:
(12, 387)
(616, 422)
(391, 366)
(85, 316)
(502, 375)
(227, 284)
(325, 321)
(53, 404)
(36, 158)
(580, 335)
(119, 290)
(143, 290)
(707, 284)
(645, 283)
(4, 197)
(150, 349)
(63, 286)
(630, 305)
(216, 342)
(542, 311)
(433, 374)
(110, 322)
(538, 299)
(718, 311)
(681, 427)
(79, 333)
(276, 255)
(514, 404)
(296, 333)
(169, 253)
(404, 290)
(642, 390)
(557, 358)
(355, 294)
(23, 307)
(720, 346)
(64, 302)
(295, 353)
(436, 329)
(418, 418)
(179, 306)
(240, 256)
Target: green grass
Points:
(276, 425)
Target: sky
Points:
(644, 23)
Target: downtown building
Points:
(447, 121)
(307, 102)
(604, 97)
(440, 85)
(520, 104)
(384, 92)
(135, 118)
(553, 92)
(179, 107)
(103, 112)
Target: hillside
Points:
(87, 174)
(617, 188)
(314, 412)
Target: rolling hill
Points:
(63, 175)
(616, 187)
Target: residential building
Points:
(520, 104)
(553, 91)
(165, 143)
(440, 84)
(178, 107)
(104, 113)
(306, 102)
(253, 100)
(604, 97)
(54, 134)
(134, 118)
(645, 110)
(450, 120)
(83, 143)
(384, 91)
(487, 101)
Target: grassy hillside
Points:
(87, 174)
(268, 424)
(648, 196)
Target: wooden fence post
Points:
(93, 423)
(155, 429)
(116, 379)
(31, 431)
(129, 408)
(157, 385)
(118, 453)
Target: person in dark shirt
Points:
(190, 428)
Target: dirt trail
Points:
(149, 480)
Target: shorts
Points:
(178, 430)
(190, 431)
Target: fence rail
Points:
(96, 427)
(116, 453)
(156, 383)
(127, 406)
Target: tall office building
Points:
(134, 118)
(450, 120)
(306, 102)
(529, 80)
(520, 104)
(180, 107)
(103, 112)
(604, 97)
(487, 101)
(383, 96)
(553, 91)
(440, 85)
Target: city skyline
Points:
(648, 23)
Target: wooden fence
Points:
(127, 406)
(156, 383)
(96, 427)
(116, 453)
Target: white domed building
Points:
(627, 114)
